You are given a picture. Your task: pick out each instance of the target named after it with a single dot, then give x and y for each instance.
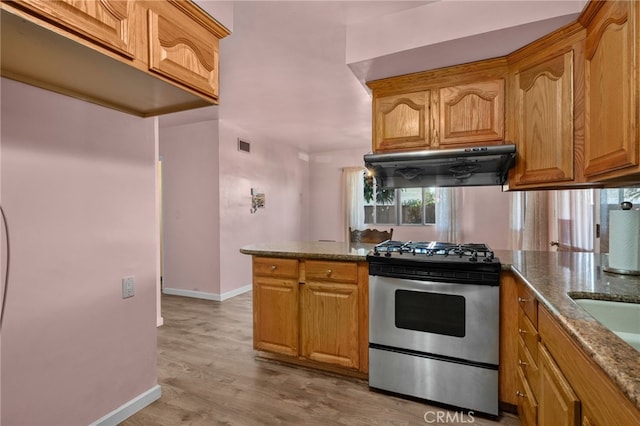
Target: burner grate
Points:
(433, 248)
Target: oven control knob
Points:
(376, 252)
(473, 257)
(388, 254)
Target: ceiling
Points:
(284, 76)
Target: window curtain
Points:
(529, 220)
(575, 211)
(353, 185)
(538, 217)
(448, 205)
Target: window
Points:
(406, 206)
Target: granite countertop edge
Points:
(318, 250)
(298, 255)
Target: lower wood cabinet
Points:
(558, 404)
(556, 382)
(275, 305)
(312, 311)
(527, 404)
(329, 323)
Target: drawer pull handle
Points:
(329, 272)
(273, 267)
(520, 394)
(521, 331)
(521, 362)
(522, 300)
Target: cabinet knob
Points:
(273, 267)
(520, 394)
(521, 362)
(329, 272)
(521, 331)
(522, 300)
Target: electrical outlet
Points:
(128, 287)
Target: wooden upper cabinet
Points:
(142, 57)
(104, 22)
(472, 113)
(543, 124)
(456, 106)
(182, 50)
(545, 111)
(612, 73)
(402, 121)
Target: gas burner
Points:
(435, 250)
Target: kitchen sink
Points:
(622, 318)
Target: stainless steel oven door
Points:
(454, 320)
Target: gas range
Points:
(437, 261)
(433, 319)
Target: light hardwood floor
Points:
(209, 376)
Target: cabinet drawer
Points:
(528, 334)
(275, 267)
(528, 362)
(346, 272)
(527, 405)
(528, 303)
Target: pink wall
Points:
(207, 200)
(485, 217)
(78, 187)
(326, 193)
(277, 170)
(191, 207)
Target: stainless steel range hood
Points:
(476, 166)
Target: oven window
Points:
(430, 312)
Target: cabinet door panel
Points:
(275, 315)
(529, 366)
(544, 123)
(527, 404)
(183, 51)
(102, 21)
(611, 91)
(508, 338)
(329, 323)
(558, 405)
(472, 113)
(402, 121)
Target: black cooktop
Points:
(435, 260)
(435, 251)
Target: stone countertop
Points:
(555, 277)
(322, 250)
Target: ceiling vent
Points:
(244, 146)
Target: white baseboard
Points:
(205, 295)
(129, 408)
